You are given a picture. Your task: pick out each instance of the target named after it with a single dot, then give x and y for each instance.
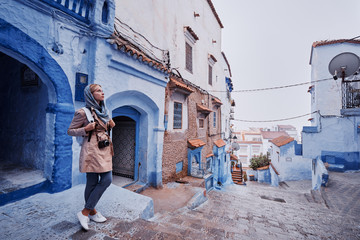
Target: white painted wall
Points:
(290, 166)
(162, 22)
(335, 132)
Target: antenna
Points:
(343, 65)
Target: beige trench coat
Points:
(92, 158)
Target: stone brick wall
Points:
(176, 143)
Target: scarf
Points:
(90, 102)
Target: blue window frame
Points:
(80, 84)
(179, 167)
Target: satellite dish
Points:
(235, 146)
(344, 65)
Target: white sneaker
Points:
(83, 220)
(97, 217)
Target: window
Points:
(177, 115)
(179, 167)
(243, 149)
(188, 54)
(214, 119)
(201, 123)
(351, 94)
(210, 75)
(256, 149)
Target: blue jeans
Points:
(96, 184)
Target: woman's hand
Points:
(111, 123)
(90, 127)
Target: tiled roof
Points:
(249, 142)
(286, 126)
(216, 101)
(203, 109)
(215, 13)
(282, 140)
(329, 42)
(136, 53)
(219, 143)
(173, 83)
(195, 143)
(273, 134)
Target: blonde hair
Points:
(93, 87)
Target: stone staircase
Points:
(236, 176)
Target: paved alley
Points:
(255, 211)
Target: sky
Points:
(268, 44)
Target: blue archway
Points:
(20, 46)
(133, 114)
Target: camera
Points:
(103, 143)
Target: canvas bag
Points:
(90, 118)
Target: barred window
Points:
(214, 119)
(201, 123)
(210, 75)
(188, 54)
(177, 115)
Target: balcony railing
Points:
(351, 94)
(79, 9)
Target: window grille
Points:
(214, 119)
(201, 123)
(177, 115)
(188, 54)
(350, 94)
(210, 75)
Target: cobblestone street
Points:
(255, 211)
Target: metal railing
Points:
(351, 94)
(79, 9)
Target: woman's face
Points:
(98, 94)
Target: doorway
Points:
(24, 99)
(124, 141)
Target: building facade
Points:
(333, 137)
(197, 96)
(286, 158)
(50, 51)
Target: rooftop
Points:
(273, 134)
(282, 140)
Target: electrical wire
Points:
(273, 88)
(277, 120)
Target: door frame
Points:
(130, 112)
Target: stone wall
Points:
(175, 141)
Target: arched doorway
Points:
(125, 141)
(123, 136)
(38, 109)
(24, 99)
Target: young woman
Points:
(96, 151)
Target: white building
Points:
(286, 158)
(334, 133)
(250, 143)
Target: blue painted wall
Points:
(320, 175)
(264, 176)
(341, 161)
(52, 102)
